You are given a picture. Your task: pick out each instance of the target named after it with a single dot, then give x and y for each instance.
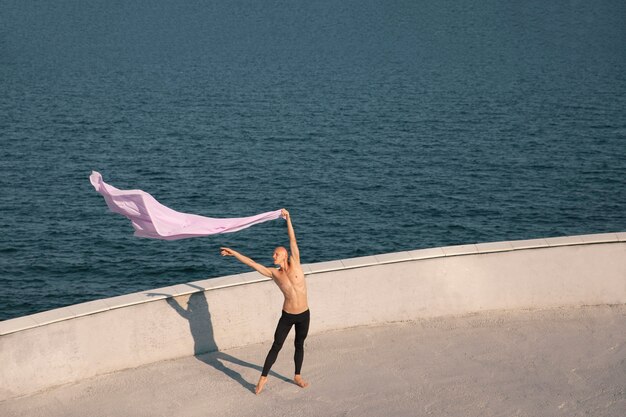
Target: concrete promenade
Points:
(78, 342)
(568, 361)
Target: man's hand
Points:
(227, 252)
(285, 214)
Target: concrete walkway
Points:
(561, 362)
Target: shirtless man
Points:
(290, 280)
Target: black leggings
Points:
(284, 325)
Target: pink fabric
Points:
(153, 220)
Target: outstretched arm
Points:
(263, 270)
(295, 252)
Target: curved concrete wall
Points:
(80, 341)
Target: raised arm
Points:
(263, 270)
(295, 252)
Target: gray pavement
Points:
(559, 362)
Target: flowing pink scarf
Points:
(154, 220)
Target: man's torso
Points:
(293, 287)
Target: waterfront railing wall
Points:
(84, 340)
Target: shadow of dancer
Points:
(205, 349)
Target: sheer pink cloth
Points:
(154, 220)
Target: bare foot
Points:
(300, 382)
(260, 385)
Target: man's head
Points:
(280, 255)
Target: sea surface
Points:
(381, 125)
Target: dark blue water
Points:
(382, 125)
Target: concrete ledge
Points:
(494, 247)
(83, 340)
(90, 307)
(565, 240)
(426, 253)
(316, 268)
(387, 258)
(359, 262)
(600, 238)
(529, 244)
(97, 306)
(15, 325)
(460, 250)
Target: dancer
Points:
(290, 280)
